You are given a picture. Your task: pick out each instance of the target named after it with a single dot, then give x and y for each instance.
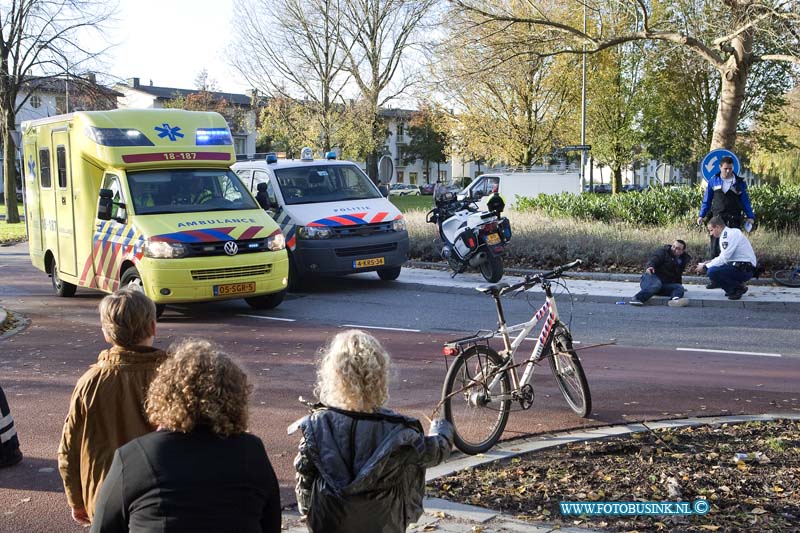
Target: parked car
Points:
(404, 189)
(632, 188)
(427, 188)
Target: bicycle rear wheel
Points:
(568, 371)
(789, 278)
(470, 394)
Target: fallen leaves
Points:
(754, 490)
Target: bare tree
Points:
(377, 36)
(737, 24)
(41, 39)
(291, 49)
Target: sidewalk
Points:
(602, 287)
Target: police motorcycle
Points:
(468, 237)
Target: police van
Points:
(146, 198)
(334, 218)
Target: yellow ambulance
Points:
(146, 198)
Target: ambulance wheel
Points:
(389, 274)
(132, 280)
(268, 301)
(62, 288)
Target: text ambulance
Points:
(334, 218)
(147, 198)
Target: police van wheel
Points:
(389, 274)
(268, 301)
(62, 288)
(132, 280)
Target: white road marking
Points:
(270, 318)
(379, 327)
(728, 351)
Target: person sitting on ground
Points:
(201, 470)
(736, 262)
(361, 467)
(107, 406)
(663, 275)
(9, 442)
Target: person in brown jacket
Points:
(107, 406)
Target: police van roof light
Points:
(117, 136)
(272, 157)
(330, 155)
(213, 136)
(306, 154)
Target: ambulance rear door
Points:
(65, 217)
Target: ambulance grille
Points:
(228, 273)
(376, 249)
(362, 230)
(248, 246)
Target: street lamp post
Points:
(583, 106)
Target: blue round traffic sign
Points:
(710, 165)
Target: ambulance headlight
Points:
(399, 224)
(314, 232)
(164, 250)
(276, 242)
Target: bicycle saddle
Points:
(493, 289)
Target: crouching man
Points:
(736, 262)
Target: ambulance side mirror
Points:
(105, 205)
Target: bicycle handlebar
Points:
(533, 280)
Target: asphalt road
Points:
(643, 377)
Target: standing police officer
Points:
(726, 196)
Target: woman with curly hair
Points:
(200, 470)
(361, 467)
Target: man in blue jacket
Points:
(726, 196)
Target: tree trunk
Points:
(734, 80)
(616, 181)
(10, 172)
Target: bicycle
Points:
(481, 383)
(789, 277)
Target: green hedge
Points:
(776, 208)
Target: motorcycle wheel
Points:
(492, 268)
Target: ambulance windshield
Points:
(187, 190)
(308, 184)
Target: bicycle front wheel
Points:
(475, 399)
(568, 371)
(789, 278)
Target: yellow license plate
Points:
(365, 263)
(493, 238)
(235, 288)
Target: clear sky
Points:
(171, 41)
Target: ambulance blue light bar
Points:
(330, 155)
(213, 136)
(117, 136)
(272, 157)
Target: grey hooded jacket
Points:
(365, 471)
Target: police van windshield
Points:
(310, 184)
(187, 190)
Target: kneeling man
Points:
(736, 262)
